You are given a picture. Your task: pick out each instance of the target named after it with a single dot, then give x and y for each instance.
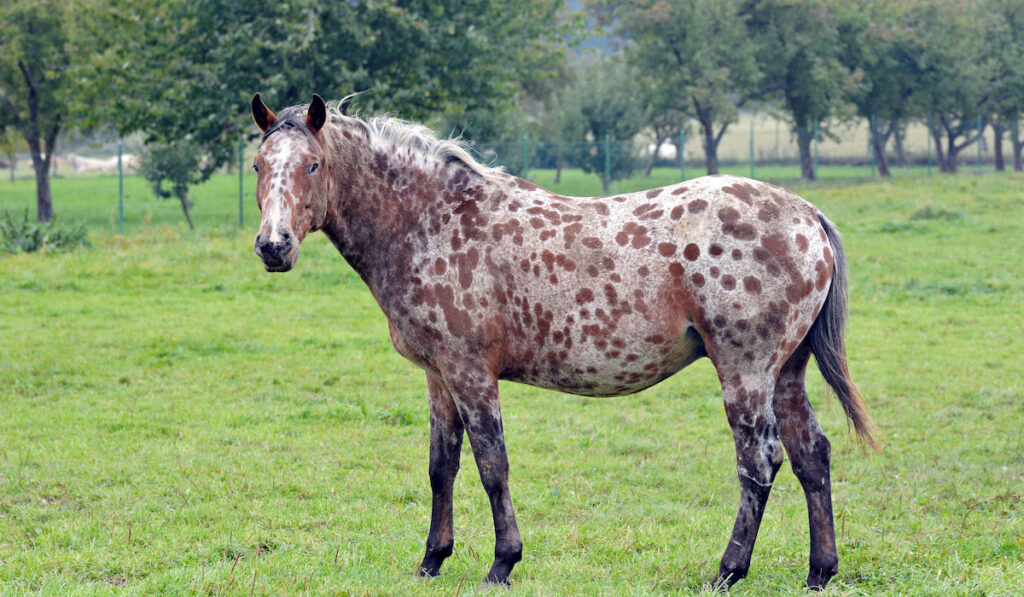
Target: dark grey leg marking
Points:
(446, 430)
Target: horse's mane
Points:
(387, 132)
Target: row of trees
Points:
(182, 71)
(816, 63)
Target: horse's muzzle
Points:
(277, 256)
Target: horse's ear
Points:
(316, 116)
(261, 114)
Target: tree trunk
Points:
(1018, 145)
(998, 129)
(13, 160)
(654, 157)
(940, 154)
(710, 147)
(559, 163)
(804, 139)
(901, 154)
(878, 143)
(184, 207)
(44, 199)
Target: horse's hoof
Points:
(722, 584)
(491, 582)
(818, 582)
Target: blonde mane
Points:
(392, 133)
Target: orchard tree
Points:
(44, 83)
(604, 101)
(800, 51)
(697, 53)
(179, 166)
(880, 50)
(954, 88)
(1004, 31)
(189, 67)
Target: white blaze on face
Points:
(281, 156)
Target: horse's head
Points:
(292, 188)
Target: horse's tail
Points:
(827, 342)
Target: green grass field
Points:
(177, 421)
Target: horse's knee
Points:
(442, 473)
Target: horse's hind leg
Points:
(758, 457)
(446, 432)
(809, 454)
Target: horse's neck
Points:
(382, 209)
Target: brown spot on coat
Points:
(752, 285)
(691, 252)
(666, 249)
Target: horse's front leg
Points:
(446, 431)
(476, 396)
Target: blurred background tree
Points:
(46, 61)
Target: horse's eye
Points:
(313, 168)
(256, 168)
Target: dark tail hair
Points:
(827, 340)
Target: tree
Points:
(880, 50)
(419, 59)
(799, 51)
(954, 87)
(177, 164)
(697, 54)
(604, 101)
(36, 82)
(1004, 29)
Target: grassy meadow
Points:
(176, 421)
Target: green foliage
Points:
(707, 68)
(800, 51)
(25, 236)
(419, 60)
(602, 104)
(176, 164)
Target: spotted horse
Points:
(484, 276)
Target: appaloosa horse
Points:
(484, 276)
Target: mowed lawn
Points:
(174, 420)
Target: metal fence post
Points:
(608, 162)
(526, 156)
(241, 202)
(815, 150)
(929, 146)
(682, 154)
(981, 129)
(874, 147)
(120, 186)
(751, 149)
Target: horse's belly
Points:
(609, 370)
